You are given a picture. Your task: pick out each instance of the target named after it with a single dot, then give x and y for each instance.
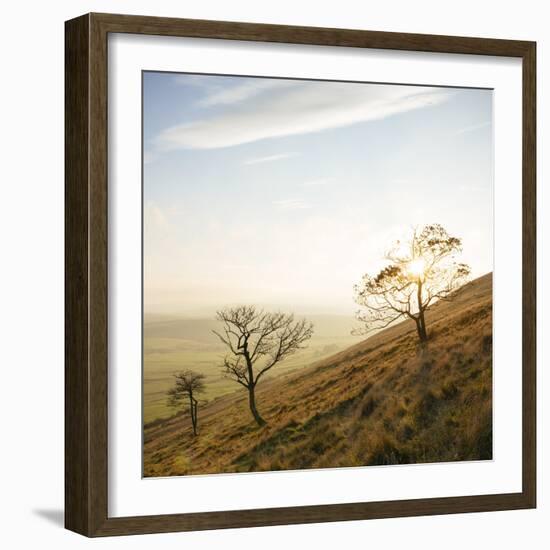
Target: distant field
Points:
(172, 344)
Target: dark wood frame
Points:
(87, 286)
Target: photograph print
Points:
(317, 274)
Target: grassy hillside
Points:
(172, 344)
(381, 401)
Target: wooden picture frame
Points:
(86, 283)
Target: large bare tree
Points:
(419, 271)
(187, 386)
(257, 341)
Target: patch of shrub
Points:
(487, 343)
(368, 408)
(484, 441)
(385, 452)
(427, 365)
(449, 390)
(426, 409)
(406, 433)
(451, 423)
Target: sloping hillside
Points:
(382, 401)
(172, 344)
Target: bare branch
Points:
(256, 342)
(421, 271)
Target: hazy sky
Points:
(283, 193)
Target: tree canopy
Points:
(257, 341)
(187, 385)
(419, 271)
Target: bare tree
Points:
(420, 271)
(257, 341)
(188, 384)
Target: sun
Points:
(416, 268)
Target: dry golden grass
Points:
(383, 401)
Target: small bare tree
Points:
(420, 271)
(257, 341)
(188, 384)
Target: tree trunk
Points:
(424, 333)
(193, 411)
(195, 416)
(420, 320)
(421, 328)
(252, 402)
(252, 386)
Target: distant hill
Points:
(381, 401)
(200, 329)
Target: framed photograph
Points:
(300, 275)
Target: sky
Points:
(283, 193)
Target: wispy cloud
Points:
(227, 91)
(270, 158)
(292, 204)
(473, 128)
(199, 80)
(247, 90)
(299, 109)
(317, 182)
